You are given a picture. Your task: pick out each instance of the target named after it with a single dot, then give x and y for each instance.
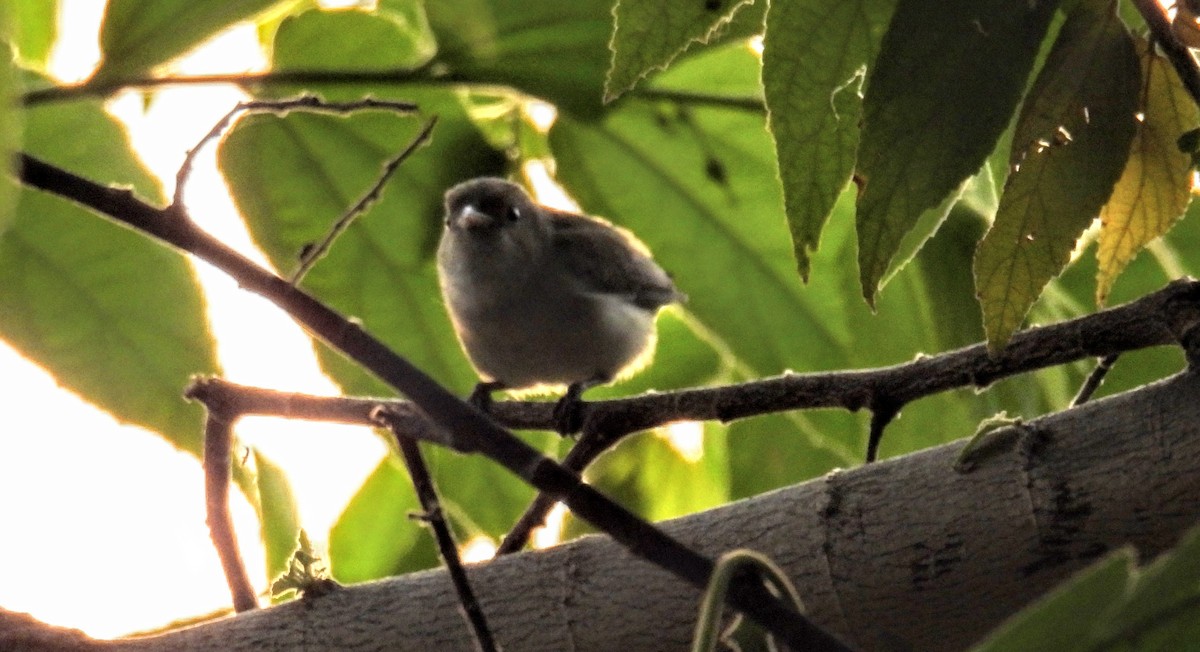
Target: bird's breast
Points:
(545, 333)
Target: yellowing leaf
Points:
(1070, 143)
(1153, 191)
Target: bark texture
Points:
(904, 550)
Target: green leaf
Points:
(278, 516)
(947, 80)
(480, 496)
(35, 26)
(1111, 606)
(374, 537)
(411, 14)
(814, 58)
(138, 35)
(641, 468)
(113, 315)
(1064, 620)
(771, 451)
(1071, 143)
(649, 34)
(651, 476)
(11, 119)
(1159, 591)
(1154, 189)
(557, 51)
(351, 40)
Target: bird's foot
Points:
(481, 396)
(568, 412)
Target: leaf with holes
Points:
(1071, 143)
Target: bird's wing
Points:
(609, 260)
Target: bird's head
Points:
(488, 205)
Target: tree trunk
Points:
(904, 550)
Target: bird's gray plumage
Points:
(545, 297)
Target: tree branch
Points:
(218, 436)
(104, 88)
(395, 77)
(422, 481)
(1167, 316)
(469, 429)
(1177, 53)
(895, 552)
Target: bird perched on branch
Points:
(543, 298)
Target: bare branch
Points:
(218, 436)
(104, 88)
(310, 103)
(422, 481)
(1094, 379)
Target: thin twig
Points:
(1177, 53)
(749, 103)
(432, 514)
(589, 447)
(881, 415)
(106, 87)
(1094, 379)
(309, 103)
(217, 442)
(393, 77)
(471, 429)
(312, 254)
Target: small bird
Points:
(542, 298)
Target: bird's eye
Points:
(513, 214)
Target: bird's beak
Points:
(470, 218)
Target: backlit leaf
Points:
(815, 57)
(35, 26)
(278, 515)
(1070, 145)
(11, 119)
(374, 536)
(1063, 620)
(115, 316)
(139, 34)
(1153, 191)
